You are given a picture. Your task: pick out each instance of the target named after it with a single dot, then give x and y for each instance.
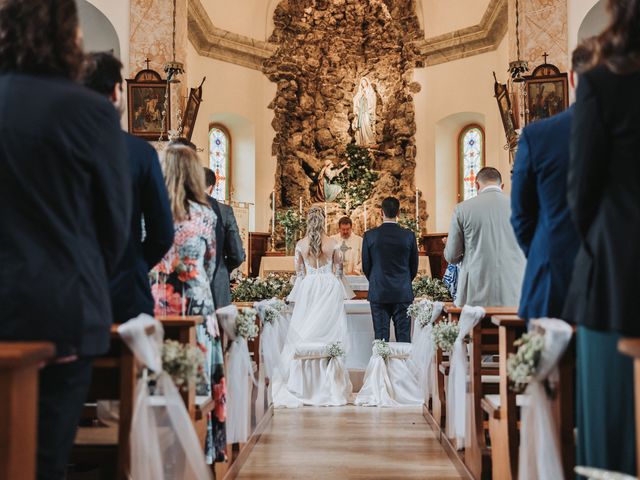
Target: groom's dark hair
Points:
(390, 207)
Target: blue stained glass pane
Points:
(219, 162)
(472, 161)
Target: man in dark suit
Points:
(390, 263)
(229, 251)
(65, 204)
(540, 214)
(130, 289)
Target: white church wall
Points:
(450, 91)
(117, 11)
(577, 11)
(238, 97)
(244, 17)
(440, 17)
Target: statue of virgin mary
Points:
(364, 109)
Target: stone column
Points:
(152, 38)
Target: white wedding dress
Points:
(318, 319)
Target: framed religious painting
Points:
(546, 93)
(191, 112)
(145, 100)
(506, 113)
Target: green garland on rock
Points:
(358, 180)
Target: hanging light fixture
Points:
(518, 67)
(174, 69)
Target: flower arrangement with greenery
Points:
(358, 180)
(522, 365)
(246, 325)
(183, 362)
(444, 335)
(335, 350)
(410, 223)
(431, 288)
(273, 311)
(293, 224)
(421, 311)
(382, 349)
(255, 289)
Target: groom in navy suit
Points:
(390, 263)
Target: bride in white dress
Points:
(318, 318)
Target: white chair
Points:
(318, 379)
(391, 382)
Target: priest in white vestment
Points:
(351, 246)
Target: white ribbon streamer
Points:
(423, 353)
(164, 444)
(540, 456)
(458, 369)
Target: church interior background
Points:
(282, 78)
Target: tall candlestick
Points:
(417, 207)
(365, 217)
(273, 212)
(300, 205)
(325, 217)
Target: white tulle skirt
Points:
(318, 318)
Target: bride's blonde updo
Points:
(315, 230)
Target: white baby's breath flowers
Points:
(522, 365)
(246, 323)
(274, 310)
(444, 335)
(335, 350)
(382, 349)
(421, 311)
(183, 362)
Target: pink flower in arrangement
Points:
(187, 269)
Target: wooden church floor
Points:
(348, 443)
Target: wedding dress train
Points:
(308, 375)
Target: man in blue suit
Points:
(540, 214)
(129, 284)
(390, 263)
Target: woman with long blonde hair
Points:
(318, 315)
(181, 281)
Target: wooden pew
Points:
(114, 378)
(504, 411)
(20, 363)
(631, 347)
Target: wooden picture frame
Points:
(191, 111)
(506, 113)
(145, 101)
(546, 93)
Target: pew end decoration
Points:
(444, 334)
(458, 371)
(389, 380)
(422, 357)
(275, 317)
(431, 288)
(163, 440)
(239, 324)
(183, 362)
(540, 454)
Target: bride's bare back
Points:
(330, 254)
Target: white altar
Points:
(278, 264)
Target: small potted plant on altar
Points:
(293, 223)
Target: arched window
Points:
(471, 157)
(220, 160)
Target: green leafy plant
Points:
(410, 223)
(431, 288)
(293, 223)
(358, 180)
(255, 289)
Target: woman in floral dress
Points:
(181, 281)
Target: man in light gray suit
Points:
(229, 251)
(482, 242)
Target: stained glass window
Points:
(471, 145)
(220, 160)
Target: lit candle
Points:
(365, 217)
(417, 206)
(325, 216)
